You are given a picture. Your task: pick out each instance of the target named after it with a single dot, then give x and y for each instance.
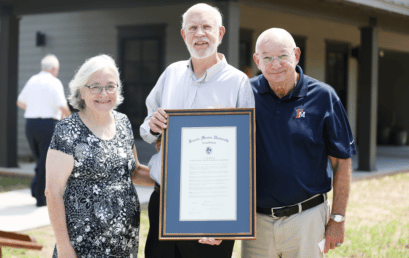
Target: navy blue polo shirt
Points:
(295, 135)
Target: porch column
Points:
(231, 21)
(368, 96)
(9, 32)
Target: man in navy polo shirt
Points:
(301, 126)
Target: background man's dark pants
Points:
(39, 133)
(177, 249)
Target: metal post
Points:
(368, 96)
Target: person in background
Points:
(44, 103)
(206, 80)
(301, 125)
(91, 165)
(248, 71)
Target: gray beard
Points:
(197, 55)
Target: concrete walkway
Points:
(389, 160)
(18, 211)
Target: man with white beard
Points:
(206, 80)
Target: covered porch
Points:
(363, 19)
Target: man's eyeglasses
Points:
(280, 58)
(95, 89)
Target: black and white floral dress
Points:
(101, 204)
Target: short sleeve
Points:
(339, 140)
(63, 138)
(22, 97)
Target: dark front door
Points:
(337, 68)
(141, 63)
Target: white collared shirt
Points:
(222, 86)
(43, 95)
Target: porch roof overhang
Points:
(24, 7)
(394, 6)
(391, 15)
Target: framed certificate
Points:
(208, 174)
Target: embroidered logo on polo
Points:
(300, 113)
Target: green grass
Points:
(43, 236)
(143, 232)
(377, 219)
(388, 239)
(8, 183)
(377, 223)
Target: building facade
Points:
(361, 49)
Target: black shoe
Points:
(41, 204)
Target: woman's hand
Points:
(141, 175)
(209, 241)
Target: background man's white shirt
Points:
(43, 94)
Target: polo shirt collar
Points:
(299, 91)
(211, 72)
(264, 87)
(301, 87)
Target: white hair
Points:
(83, 75)
(49, 61)
(216, 13)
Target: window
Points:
(141, 54)
(337, 68)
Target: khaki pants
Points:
(294, 236)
